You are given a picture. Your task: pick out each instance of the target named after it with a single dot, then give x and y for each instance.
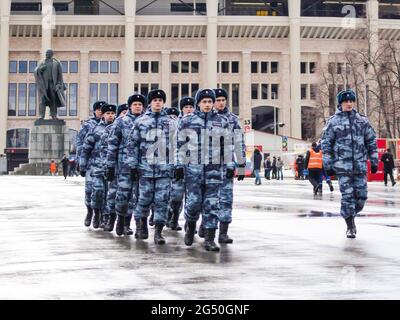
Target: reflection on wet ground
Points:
(284, 248)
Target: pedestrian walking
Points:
(256, 159)
(65, 164)
(53, 168)
(267, 168)
(348, 141)
(279, 168)
(314, 164)
(274, 168)
(388, 166)
(300, 166)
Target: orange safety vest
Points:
(315, 161)
(53, 167)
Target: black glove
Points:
(134, 175)
(230, 173)
(330, 172)
(179, 174)
(374, 169)
(110, 174)
(82, 173)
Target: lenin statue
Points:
(50, 84)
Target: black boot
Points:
(96, 218)
(330, 186)
(151, 219)
(137, 231)
(89, 215)
(119, 229)
(209, 243)
(103, 220)
(127, 223)
(223, 233)
(351, 232)
(190, 228)
(174, 220)
(144, 231)
(201, 230)
(158, 238)
(169, 218)
(110, 223)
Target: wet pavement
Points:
(287, 245)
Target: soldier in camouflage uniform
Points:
(151, 161)
(94, 151)
(348, 141)
(112, 185)
(117, 167)
(86, 127)
(178, 187)
(226, 191)
(199, 162)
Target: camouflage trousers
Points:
(127, 195)
(154, 193)
(177, 194)
(88, 188)
(226, 201)
(202, 198)
(99, 191)
(354, 194)
(111, 195)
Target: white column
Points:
(48, 24)
(165, 72)
(373, 25)
(212, 43)
(204, 69)
(129, 52)
(284, 111)
(84, 101)
(295, 101)
(4, 59)
(245, 87)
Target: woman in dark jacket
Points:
(256, 160)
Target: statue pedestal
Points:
(49, 140)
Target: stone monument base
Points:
(49, 140)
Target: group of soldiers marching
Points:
(142, 159)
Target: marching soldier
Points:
(151, 163)
(203, 171)
(226, 191)
(116, 163)
(87, 126)
(93, 153)
(348, 141)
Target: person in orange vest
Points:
(53, 168)
(314, 165)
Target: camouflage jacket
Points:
(86, 127)
(238, 144)
(205, 161)
(94, 150)
(348, 140)
(118, 141)
(151, 145)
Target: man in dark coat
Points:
(50, 84)
(388, 166)
(65, 163)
